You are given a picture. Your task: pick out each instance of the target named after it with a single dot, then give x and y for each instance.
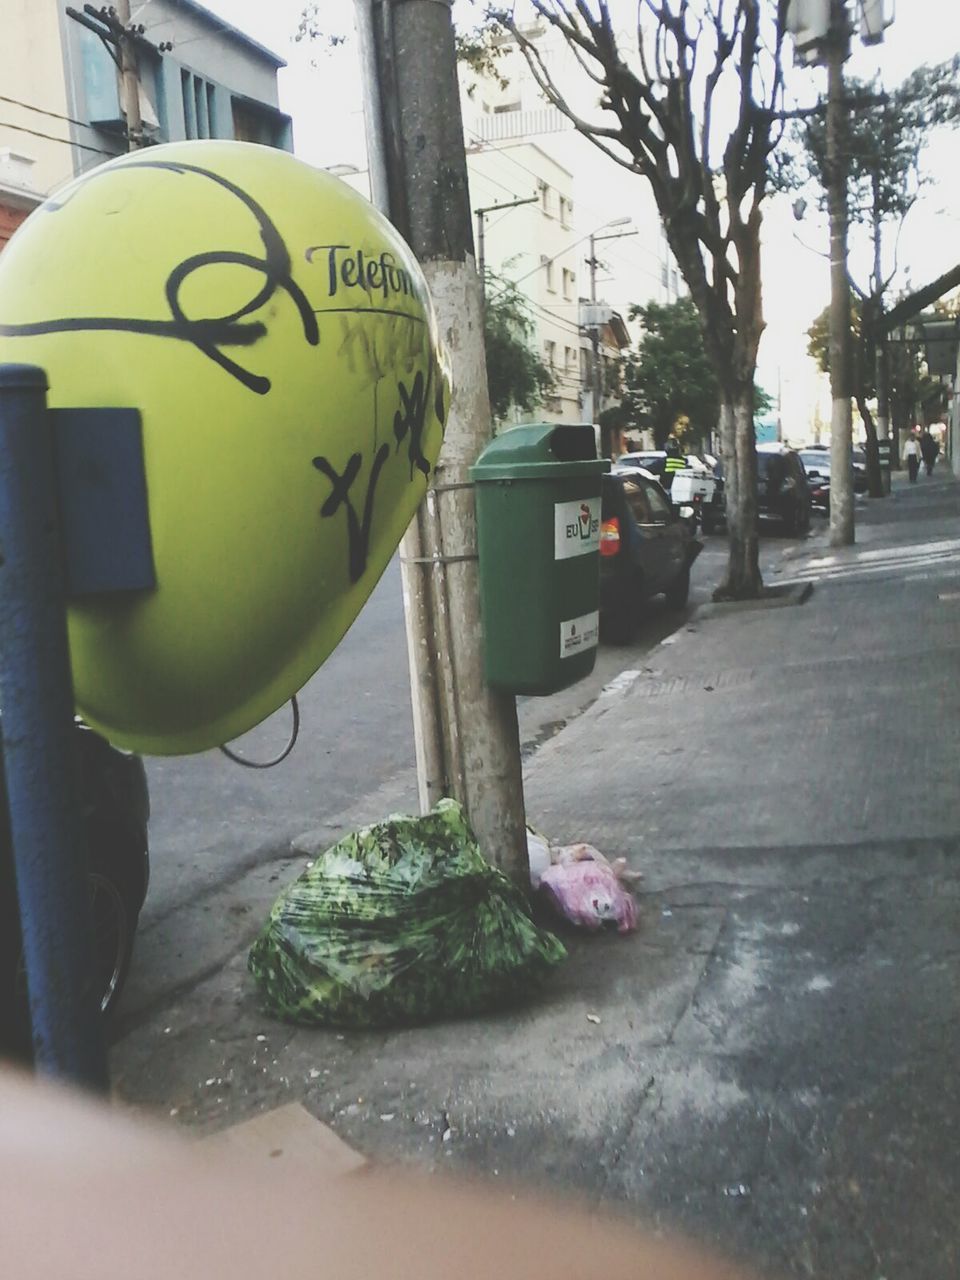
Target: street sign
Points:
(276, 337)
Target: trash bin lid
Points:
(539, 450)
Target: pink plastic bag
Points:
(588, 894)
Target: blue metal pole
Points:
(39, 748)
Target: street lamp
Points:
(821, 31)
(595, 327)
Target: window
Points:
(547, 264)
(569, 359)
(569, 283)
(550, 353)
(258, 122)
(566, 208)
(816, 463)
(637, 500)
(544, 197)
(198, 106)
(659, 506)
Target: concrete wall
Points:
(56, 77)
(10, 219)
(32, 74)
(204, 47)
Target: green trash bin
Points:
(538, 533)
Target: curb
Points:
(781, 596)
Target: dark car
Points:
(646, 549)
(816, 458)
(782, 490)
(115, 812)
(816, 463)
(860, 482)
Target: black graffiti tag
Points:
(210, 334)
(409, 420)
(411, 417)
(358, 530)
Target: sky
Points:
(321, 90)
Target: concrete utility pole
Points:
(129, 78)
(841, 386)
(481, 214)
(466, 734)
(120, 36)
(595, 382)
(821, 31)
(594, 333)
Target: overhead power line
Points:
(54, 115)
(67, 142)
(506, 154)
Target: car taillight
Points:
(610, 537)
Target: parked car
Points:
(696, 486)
(817, 457)
(115, 813)
(819, 493)
(860, 482)
(782, 490)
(816, 463)
(646, 549)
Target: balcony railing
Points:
(506, 125)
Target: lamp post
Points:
(595, 327)
(821, 30)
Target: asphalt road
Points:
(212, 819)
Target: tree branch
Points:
(908, 307)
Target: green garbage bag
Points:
(399, 923)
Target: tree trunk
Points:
(886, 428)
(867, 332)
(874, 474)
(742, 580)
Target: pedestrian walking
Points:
(929, 449)
(911, 452)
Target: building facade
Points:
(530, 247)
(60, 101)
(517, 146)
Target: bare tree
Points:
(689, 98)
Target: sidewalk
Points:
(774, 1067)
